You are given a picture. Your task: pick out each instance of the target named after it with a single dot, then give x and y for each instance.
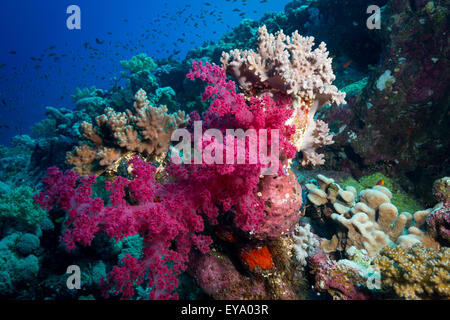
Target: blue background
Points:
(38, 75)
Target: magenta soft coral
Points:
(169, 227)
(230, 110)
(234, 186)
(170, 217)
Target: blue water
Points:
(42, 62)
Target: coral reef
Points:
(288, 65)
(263, 208)
(417, 272)
(139, 63)
(337, 279)
(369, 219)
(217, 276)
(143, 226)
(399, 119)
(147, 131)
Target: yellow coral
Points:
(416, 273)
(147, 131)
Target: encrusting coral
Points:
(438, 221)
(147, 131)
(338, 279)
(417, 272)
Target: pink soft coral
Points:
(170, 217)
(170, 228)
(230, 110)
(234, 186)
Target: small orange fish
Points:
(345, 65)
(225, 235)
(427, 36)
(380, 182)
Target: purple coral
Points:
(340, 281)
(438, 222)
(218, 277)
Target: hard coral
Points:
(147, 131)
(441, 190)
(416, 273)
(288, 66)
(370, 219)
(305, 243)
(339, 280)
(438, 221)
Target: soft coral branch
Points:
(171, 217)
